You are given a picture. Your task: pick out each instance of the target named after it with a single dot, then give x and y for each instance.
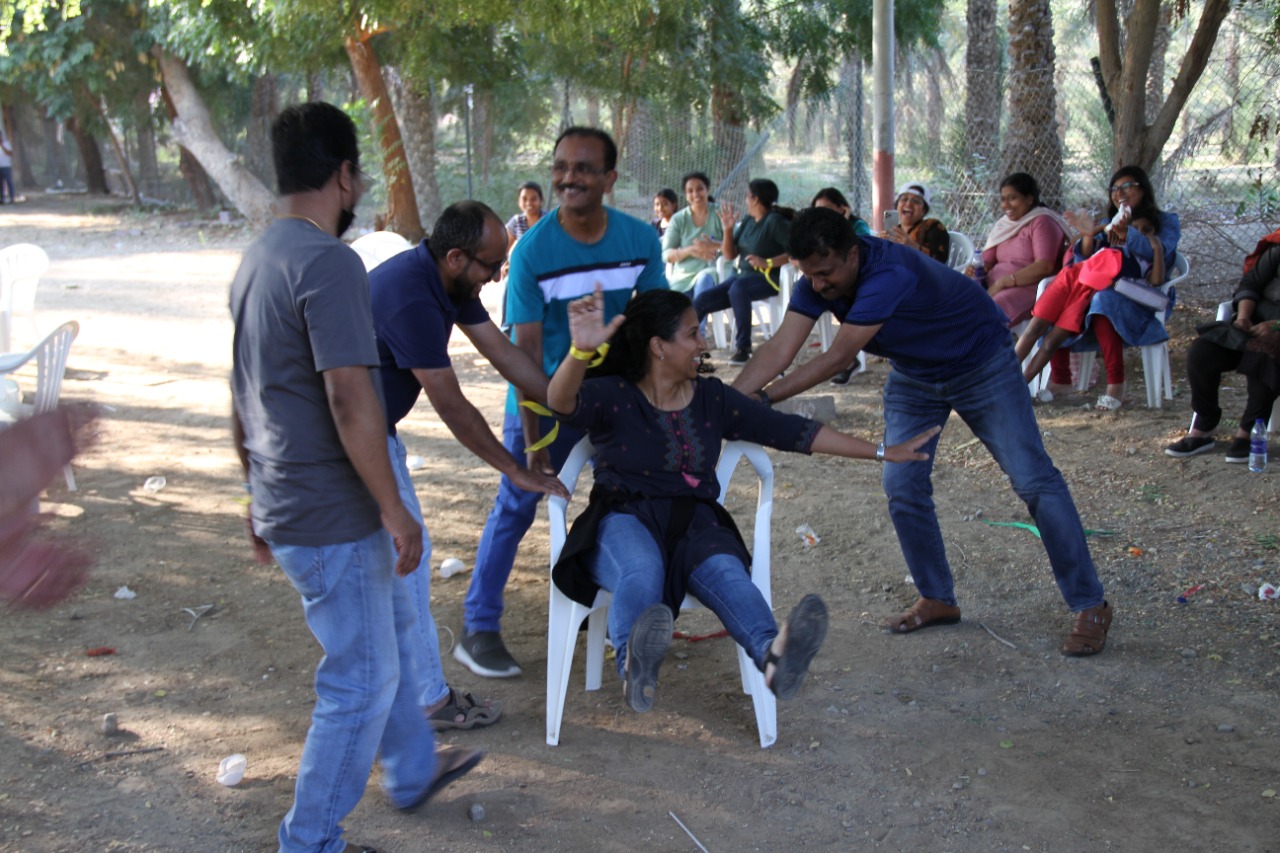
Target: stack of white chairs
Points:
(50, 356)
(21, 266)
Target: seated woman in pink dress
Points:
(1024, 246)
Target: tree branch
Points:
(1193, 65)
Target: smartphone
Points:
(890, 220)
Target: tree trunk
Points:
(934, 109)
(1125, 73)
(402, 205)
(189, 167)
(126, 174)
(482, 122)
(984, 97)
(95, 177)
(416, 110)
(193, 129)
(793, 102)
(148, 169)
(593, 109)
(57, 173)
(264, 106)
(728, 110)
(1032, 143)
(315, 86)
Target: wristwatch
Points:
(880, 452)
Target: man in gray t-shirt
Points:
(310, 432)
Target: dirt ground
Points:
(945, 740)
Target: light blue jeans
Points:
(434, 686)
(367, 688)
(509, 520)
(993, 402)
(629, 563)
(702, 282)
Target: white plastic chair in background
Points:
(768, 312)
(51, 364)
(21, 266)
(961, 251)
(379, 246)
(1224, 315)
(565, 615)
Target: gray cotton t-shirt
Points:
(300, 304)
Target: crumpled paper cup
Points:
(231, 770)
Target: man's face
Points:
(472, 271)
(832, 275)
(578, 174)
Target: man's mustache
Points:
(562, 187)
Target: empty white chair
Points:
(379, 246)
(51, 363)
(566, 615)
(961, 251)
(21, 266)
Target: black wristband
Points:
(764, 397)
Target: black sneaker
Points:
(742, 356)
(1194, 445)
(843, 377)
(1239, 450)
(646, 647)
(484, 654)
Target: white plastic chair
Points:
(768, 312)
(1155, 357)
(565, 615)
(51, 363)
(1224, 315)
(21, 266)
(379, 246)
(961, 251)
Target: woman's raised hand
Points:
(587, 328)
(1081, 221)
(728, 216)
(908, 451)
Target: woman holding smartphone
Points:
(907, 224)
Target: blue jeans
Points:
(629, 563)
(702, 282)
(434, 686)
(367, 688)
(993, 402)
(512, 514)
(738, 292)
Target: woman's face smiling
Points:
(1014, 204)
(684, 351)
(529, 202)
(695, 192)
(1125, 190)
(663, 208)
(910, 209)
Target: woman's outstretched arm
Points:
(836, 443)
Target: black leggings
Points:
(1206, 362)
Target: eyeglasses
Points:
(493, 269)
(584, 169)
(366, 180)
(1127, 185)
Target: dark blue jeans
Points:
(993, 402)
(737, 293)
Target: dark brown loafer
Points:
(1088, 631)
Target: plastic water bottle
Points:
(979, 271)
(1258, 447)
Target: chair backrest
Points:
(1181, 268)
(379, 246)
(21, 266)
(51, 364)
(961, 251)
(730, 455)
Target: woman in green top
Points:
(692, 241)
(834, 199)
(758, 245)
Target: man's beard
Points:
(345, 218)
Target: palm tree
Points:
(1032, 143)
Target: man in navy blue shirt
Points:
(418, 297)
(951, 351)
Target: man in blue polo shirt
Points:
(950, 350)
(417, 298)
(560, 259)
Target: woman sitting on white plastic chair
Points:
(653, 530)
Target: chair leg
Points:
(564, 617)
(1085, 372)
(71, 477)
(597, 622)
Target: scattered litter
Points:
(122, 753)
(1031, 527)
(125, 594)
(1045, 396)
(909, 579)
(688, 833)
(110, 725)
(807, 538)
(1268, 592)
(451, 567)
(997, 637)
(154, 484)
(196, 613)
(415, 463)
(1135, 551)
(231, 770)
(99, 651)
(476, 812)
(1182, 599)
(697, 638)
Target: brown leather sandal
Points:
(1088, 631)
(925, 613)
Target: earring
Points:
(662, 356)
